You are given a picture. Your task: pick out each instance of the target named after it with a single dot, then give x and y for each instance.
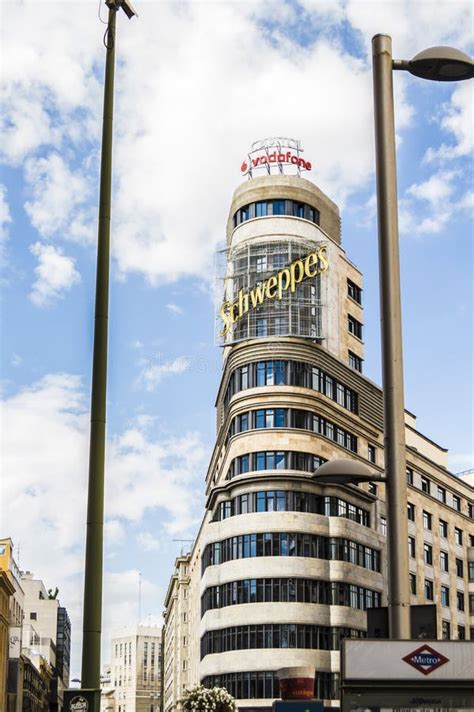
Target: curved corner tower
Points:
(288, 567)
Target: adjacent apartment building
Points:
(283, 567)
(131, 682)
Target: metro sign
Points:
(425, 659)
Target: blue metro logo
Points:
(425, 659)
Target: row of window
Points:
(289, 590)
(443, 558)
(290, 373)
(276, 635)
(290, 501)
(442, 525)
(290, 544)
(264, 685)
(292, 418)
(274, 460)
(444, 593)
(439, 492)
(280, 206)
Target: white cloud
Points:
(55, 274)
(436, 189)
(175, 309)
(428, 207)
(45, 444)
(5, 218)
(59, 195)
(152, 374)
(147, 541)
(247, 74)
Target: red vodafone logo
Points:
(271, 155)
(275, 157)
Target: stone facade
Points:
(284, 567)
(132, 681)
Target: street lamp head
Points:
(126, 6)
(442, 64)
(346, 472)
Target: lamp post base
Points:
(82, 700)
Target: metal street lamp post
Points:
(92, 612)
(440, 64)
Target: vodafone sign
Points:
(273, 153)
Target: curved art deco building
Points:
(284, 568)
(288, 567)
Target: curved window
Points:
(290, 373)
(264, 684)
(277, 206)
(274, 460)
(275, 635)
(290, 501)
(292, 418)
(247, 546)
(289, 590)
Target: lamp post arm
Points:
(391, 332)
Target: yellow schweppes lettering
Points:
(275, 286)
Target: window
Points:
(383, 526)
(445, 596)
(184, 664)
(461, 632)
(371, 454)
(470, 570)
(460, 600)
(372, 488)
(458, 536)
(355, 361)
(471, 604)
(33, 616)
(445, 630)
(413, 584)
(443, 529)
(428, 554)
(409, 476)
(426, 520)
(443, 560)
(261, 209)
(425, 485)
(411, 512)
(429, 590)
(441, 494)
(354, 291)
(411, 547)
(460, 568)
(456, 503)
(185, 617)
(354, 326)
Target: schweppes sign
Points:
(274, 287)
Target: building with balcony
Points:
(283, 567)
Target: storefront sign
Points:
(274, 287)
(273, 152)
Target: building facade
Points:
(46, 635)
(16, 604)
(132, 682)
(176, 641)
(283, 567)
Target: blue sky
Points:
(197, 83)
